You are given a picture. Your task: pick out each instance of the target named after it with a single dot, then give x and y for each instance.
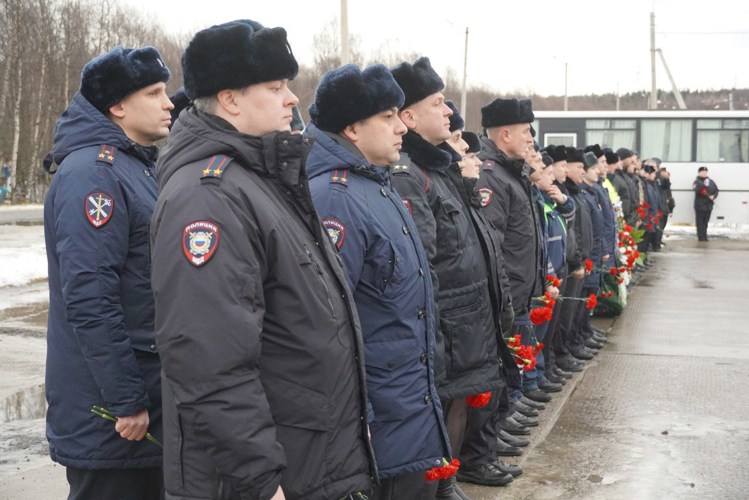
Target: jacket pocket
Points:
(302, 423)
(465, 338)
(452, 227)
(393, 271)
(387, 376)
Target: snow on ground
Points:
(17, 208)
(720, 231)
(23, 257)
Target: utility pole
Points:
(677, 94)
(463, 94)
(565, 86)
(653, 89)
(344, 33)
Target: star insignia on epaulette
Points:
(214, 168)
(488, 165)
(339, 179)
(106, 154)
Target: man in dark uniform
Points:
(705, 192)
(431, 185)
(359, 134)
(628, 167)
(100, 341)
(263, 358)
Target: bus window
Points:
(723, 141)
(669, 140)
(560, 139)
(612, 134)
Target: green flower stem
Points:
(104, 413)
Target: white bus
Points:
(683, 140)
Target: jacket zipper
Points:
(322, 280)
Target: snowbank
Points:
(23, 255)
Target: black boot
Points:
(446, 490)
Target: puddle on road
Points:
(28, 404)
(23, 223)
(28, 314)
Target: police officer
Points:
(100, 339)
(355, 120)
(430, 183)
(263, 359)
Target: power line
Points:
(704, 32)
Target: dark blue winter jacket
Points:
(388, 272)
(543, 230)
(654, 195)
(596, 250)
(100, 339)
(610, 225)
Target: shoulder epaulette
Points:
(488, 165)
(106, 154)
(215, 167)
(339, 178)
(403, 166)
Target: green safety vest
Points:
(550, 209)
(613, 195)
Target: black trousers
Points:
(566, 324)
(116, 484)
(406, 486)
(659, 234)
(552, 333)
(479, 446)
(703, 217)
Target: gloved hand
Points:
(507, 320)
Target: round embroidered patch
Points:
(486, 196)
(199, 241)
(336, 231)
(99, 208)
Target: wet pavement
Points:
(663, 411)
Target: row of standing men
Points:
(320, 315)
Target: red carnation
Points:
(628, 228)
(614, 271)
(444, 472)
(649, 226)
(660, 214)
(703, 192)
(588, 265)
(539, 348)
(620, 281)
(479, 400)
(552, 281)
(592, 301)
(541, 315)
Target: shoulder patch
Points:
(407, 204)
(339, 179)
(400, 168)
(488, 165)
(99, 208)
(486, 195)
(336, 231)
(215, 167)
(106, 154)
(200, 241)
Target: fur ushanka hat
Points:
(418, 80)
(501, 112)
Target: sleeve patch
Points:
(200, 241)
(336, 231)
(99, 208)
(486, 195)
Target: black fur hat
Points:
(574, 155)
(418, 80)
(595, 149)
(624, 153)
(501, 112)
(548, 161)
(474, 144)
(557, 153)
(611, 157)
(456, 121)
(111, 77)
(347, 95)
(235, 55)
(589, 160)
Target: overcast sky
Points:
(515, 44)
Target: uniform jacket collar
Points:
(515, 166)
(424, 154)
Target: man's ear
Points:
(351, 132)
(227, 99)
(504, 134)
(117, 111)
(408, 117)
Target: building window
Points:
(723, 141)
(612, 134)
(669, 140)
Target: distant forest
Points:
(44, 45)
